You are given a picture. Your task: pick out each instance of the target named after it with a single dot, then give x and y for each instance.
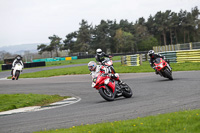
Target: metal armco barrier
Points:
(171, 56)
(131, 60)
(182, 56)
(188, 56)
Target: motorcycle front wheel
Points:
(127, 91)
(168, 74)
(107, 94)
(17, 75)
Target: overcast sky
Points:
(33, 21)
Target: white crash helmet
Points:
(92, 65)
(150, 52)
(99, 51)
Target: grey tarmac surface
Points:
(152, 95)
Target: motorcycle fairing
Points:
(99, 82)
(112, 85)
(18, 67)
(160, 64)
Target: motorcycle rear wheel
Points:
(107, 94)
(127, 91)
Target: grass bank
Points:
(145, 67)
(1, 63)
(14, 101)
(176, 122)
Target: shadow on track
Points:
(117, 99)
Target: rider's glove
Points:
(109, 74)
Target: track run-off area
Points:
(152, 95)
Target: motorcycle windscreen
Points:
(158, 60)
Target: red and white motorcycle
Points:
(163, 68)
(109, 89)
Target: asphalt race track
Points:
(152, 95)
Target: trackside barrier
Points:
(68, 58)
(171, 56)
(56, 59)
(188, 56)
(182, 56)
(60, 58)
(74, 57)
(177, 47)
(26, 65)
(130, 60)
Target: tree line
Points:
(163, 28)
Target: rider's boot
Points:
(120, 82)
(116, 77)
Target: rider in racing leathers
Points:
(100, 56)
(96, 69)
(153, 57)
(18, 59)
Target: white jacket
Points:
(16, 61)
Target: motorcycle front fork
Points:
(111, 69)
(169, 67)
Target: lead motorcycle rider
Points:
(96, 69)
(153, 57)
(18, 59)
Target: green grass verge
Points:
(68, 62)
(57, 72)
(176, 122)
(145, 67)
(14, 101)
(1, 67)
